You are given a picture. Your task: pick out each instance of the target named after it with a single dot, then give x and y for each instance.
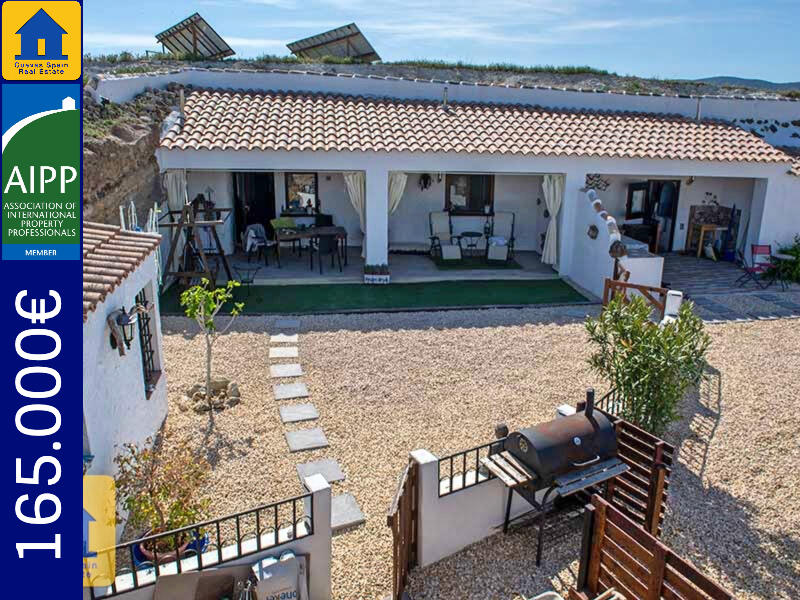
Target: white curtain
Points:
(175, 183)
(397, 185)
(553, 186)
(356, 184)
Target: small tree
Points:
(649, 365)
(202, 304)
(159, 490)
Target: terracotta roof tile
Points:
(237, 120)
(110, 254)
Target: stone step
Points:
(327, 467)
(283, 338)
(345, 513)
(284, 352)
(294, 413)
(285, 370)
(306, 439)
(288, 391)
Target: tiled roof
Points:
(110, 254)
(794, 156)
(237, 120)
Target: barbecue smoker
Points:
(557, 459)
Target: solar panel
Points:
(194, 36)
(343, 42)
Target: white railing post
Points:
(428, 490)
(320, 564)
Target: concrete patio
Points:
(405, 268)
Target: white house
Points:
(124, 390)
(380, 154)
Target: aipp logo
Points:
(41, 40)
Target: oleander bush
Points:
(650, 365)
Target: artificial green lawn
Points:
(356, 296)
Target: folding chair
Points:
(440, 229)
(760, 267)
(500, 245)
(255, 238)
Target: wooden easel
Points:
(189, 224)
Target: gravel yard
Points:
(387, 384)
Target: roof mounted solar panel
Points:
(342, 42)
(194, 36)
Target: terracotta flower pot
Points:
(163, 557)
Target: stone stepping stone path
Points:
(289, 391)
(283, 338)
(294, 413)
(345, 513)
(306, 439)
(284, 352)
(285, 370)
(327, 467)
(287, 323)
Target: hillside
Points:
(582, 77)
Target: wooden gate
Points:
(402, 519)
(656, 296)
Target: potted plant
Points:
(376, 274)
(158, 490)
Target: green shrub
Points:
(159, 490)
(651, 366)
(790, 269)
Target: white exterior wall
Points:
(780, 220)
(777, 113)
(115, 407)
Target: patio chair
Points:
(286, 223)
(760, 266)
(441, 230)
(500, 244)
(255, 239)
(325, 245)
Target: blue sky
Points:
(664, 38)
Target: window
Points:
(301, 192)
(469, 194)
(636, 206)
(149, 371)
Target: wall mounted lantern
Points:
(122, 325)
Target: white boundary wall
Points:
(317, 546)
(448, 524)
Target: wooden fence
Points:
(402, 519)
(656, 296)
(641, 492)
(617, 554)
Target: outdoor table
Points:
(310, 233)
(472, 238)
(779, 272)
(246, 273)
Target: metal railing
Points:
(612, 403)
(234, 536)
(455, 470)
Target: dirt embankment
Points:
(119, 143)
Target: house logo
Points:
(41, 40)
(99, 530)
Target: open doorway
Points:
(651, 213)
(254, 201)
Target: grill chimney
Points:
(589, 410)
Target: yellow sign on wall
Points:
(41, 40)
(99, 530)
